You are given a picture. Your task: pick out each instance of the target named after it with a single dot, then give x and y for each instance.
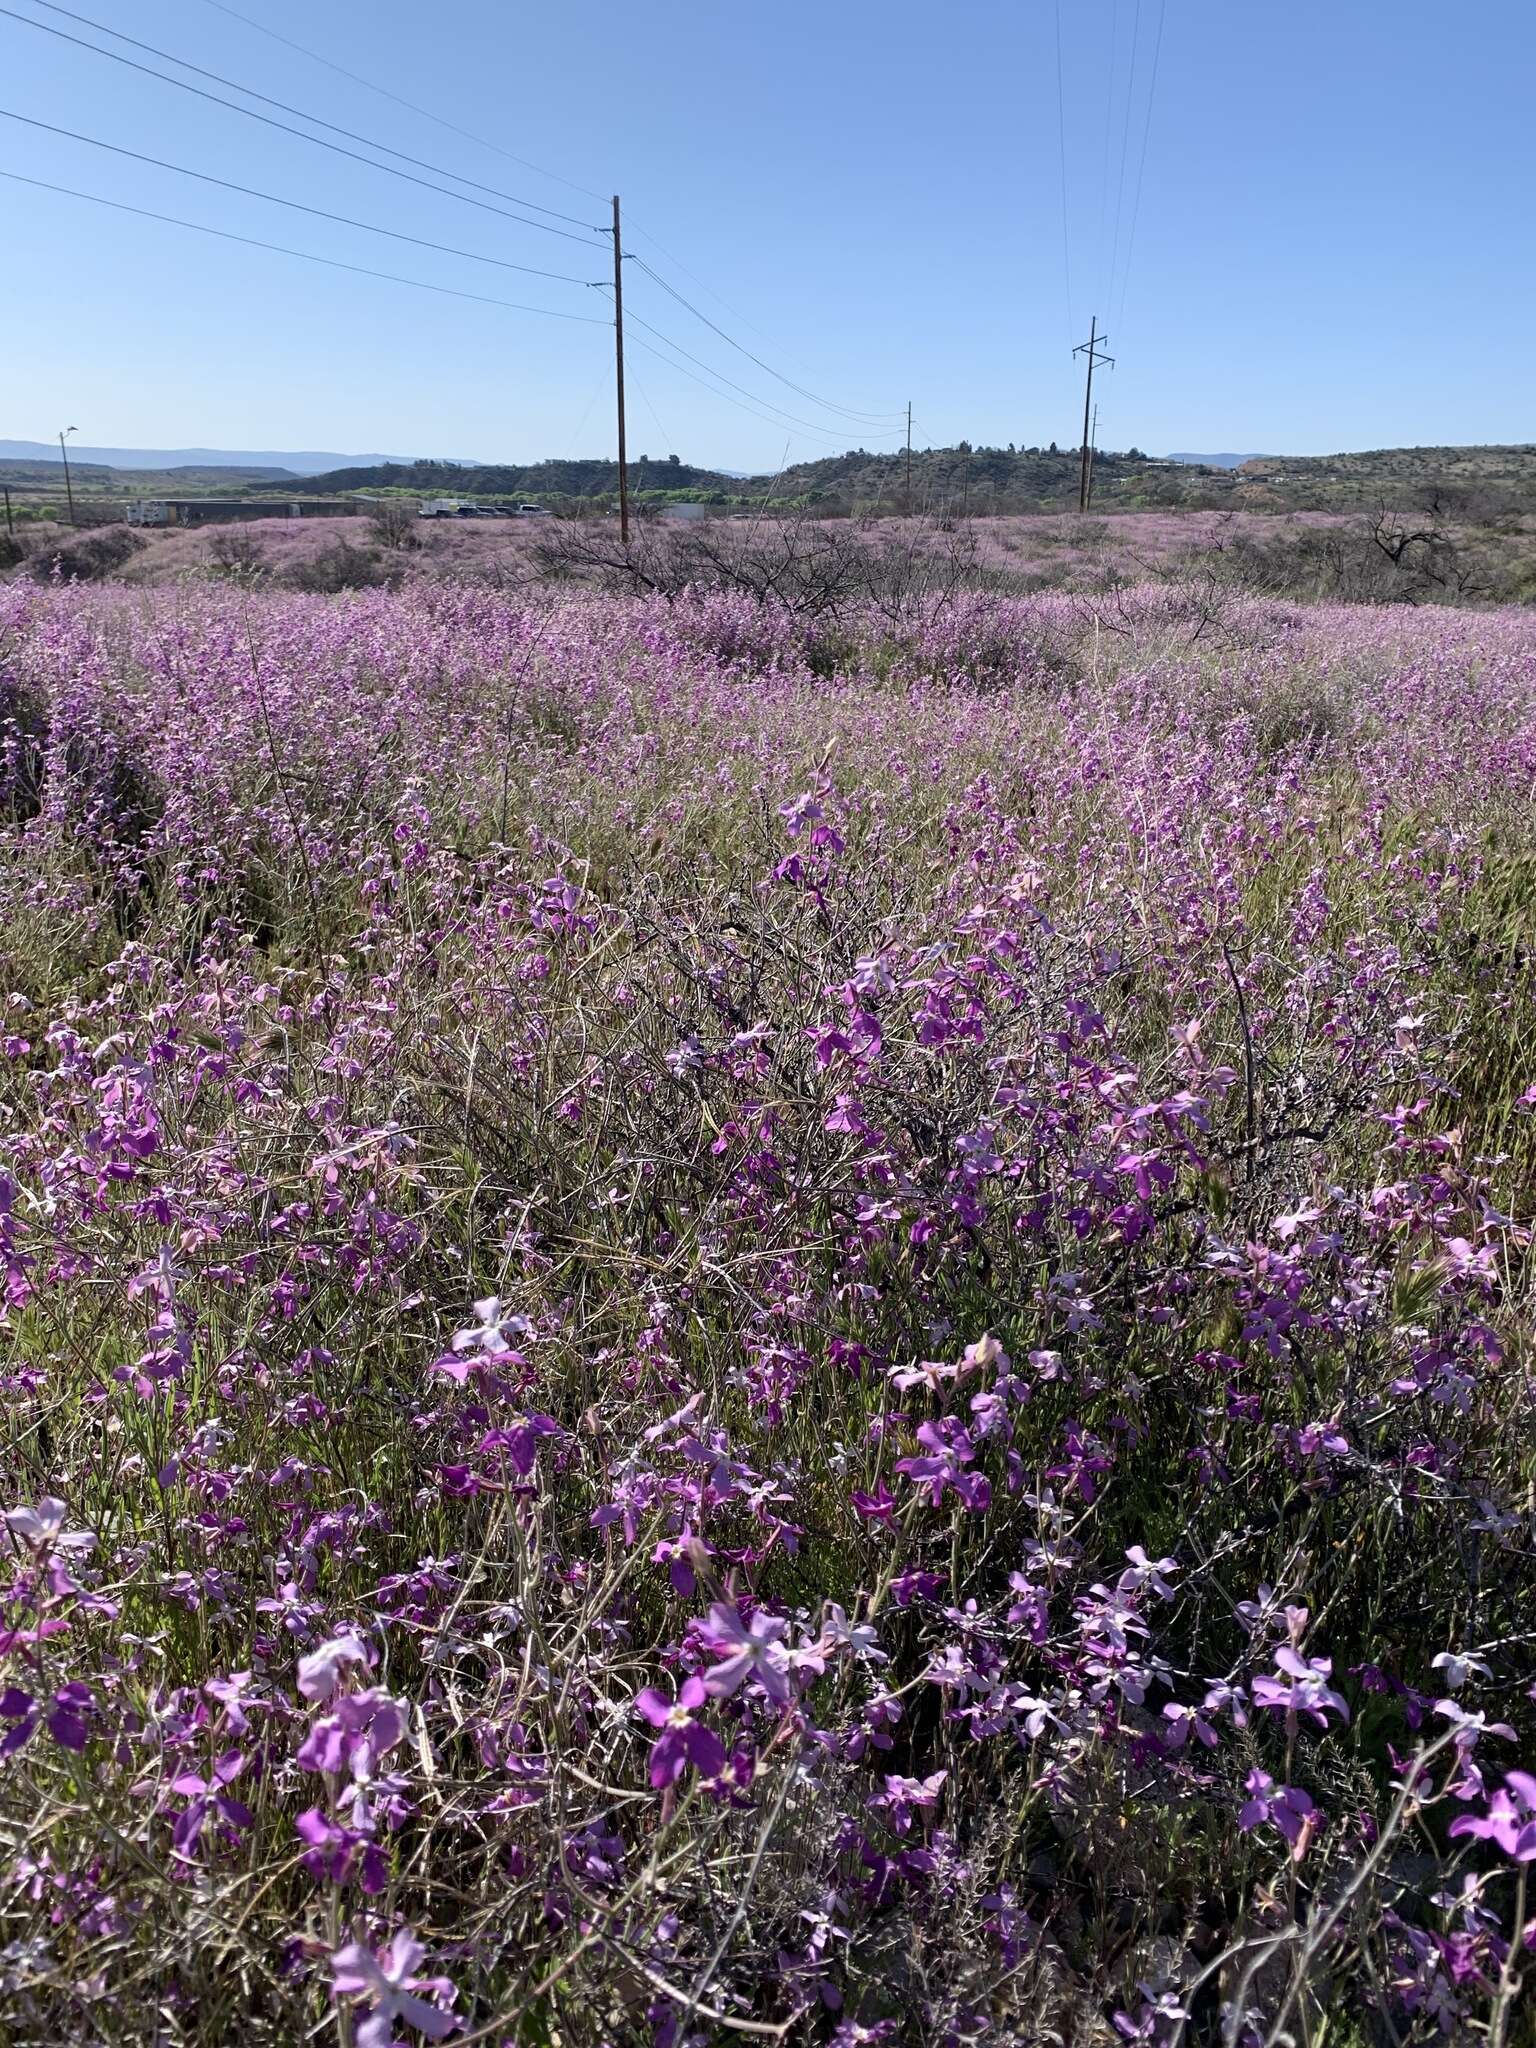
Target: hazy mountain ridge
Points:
(278, 461)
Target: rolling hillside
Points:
(1481, 482)
(979, 480)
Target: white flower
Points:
(1458, 1669)
(42, 1528)
(321, 1671)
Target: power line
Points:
(792, 418)
(298, 206)
(1141, 171)
(369, 85)
(645, 396)
(1125, 139)
(319, 140)
(1061, 143)
(469, 135)
(1109, 122)
(598, 389)
(872, 418)
(304, 255)
(386, 149)
(742, 405)
(170, 57)
(693, 277)
(369, 142)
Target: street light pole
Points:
(69, 489)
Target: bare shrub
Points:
(395, 525)
(91, 559)
(342, 566)
(801, 565)
(1387, 558)
(236, 552)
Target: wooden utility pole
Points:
(1093, 442)
(69, 489)
(1091, 349)
(618, 359)
(909, 458)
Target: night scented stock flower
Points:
(753, 1650)
(386, 1980)
(683, 1740)
(715, 1281)
(1301, 1688)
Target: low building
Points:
(226, 511)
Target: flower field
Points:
(721, 1327)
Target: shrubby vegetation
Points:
(341, 565)
(736, 1316)
(90, 558)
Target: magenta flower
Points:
(683, 1740)
(1307, 1691)
(1509, 1820)
(1186, 1721)
(1147, 1571)
(752, 1650)
(1285, 1807)
(205, 1796)
(351, 1739)
(336, 1854)
(951, 1450)
(903, 1797)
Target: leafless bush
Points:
(235, 552)
(89, 560)
(394, 525)
(1387, 558)
(801, 565)
(341, 566)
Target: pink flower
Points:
(387, 1980)
(42, 1528)
(205, 1796)
(364, 1727)
(1510, 1819)
(321, 1671)
(903, 1797)
(752, 1649)
(1307, 1693)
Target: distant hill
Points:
(1215, 461)
(279, 462)
(1499, 469)
(946, 482)
(571, 477)
(170, 482)
(960, 478)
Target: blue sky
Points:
(1333, 245)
